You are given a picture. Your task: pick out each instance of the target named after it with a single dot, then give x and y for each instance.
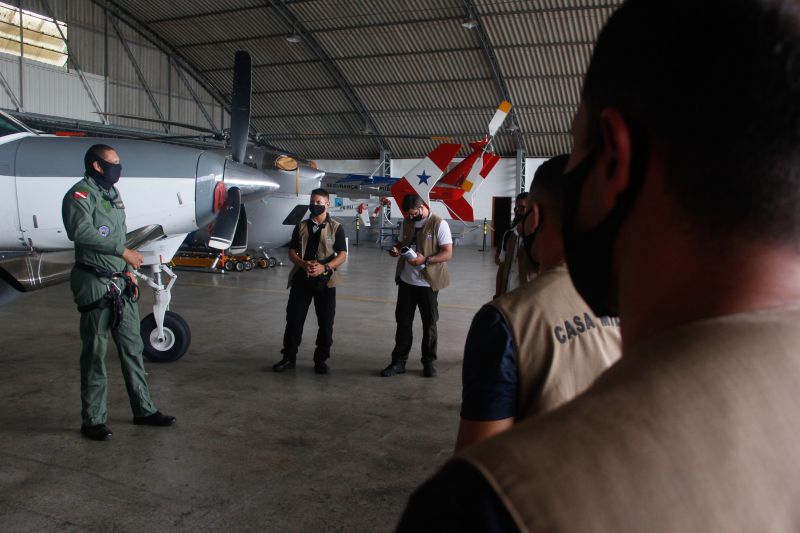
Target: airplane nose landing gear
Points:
(165, 334)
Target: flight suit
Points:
(95, 220)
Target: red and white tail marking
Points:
(421, 179)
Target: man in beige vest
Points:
(683, 214)
(538, 346)
(419, 280)
(317, 249)
(513, 268)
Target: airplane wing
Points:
(421, 179)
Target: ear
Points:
(96, 167)
(614, 160)
(533, 220)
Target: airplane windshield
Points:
(8, 126)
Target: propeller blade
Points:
(239, 244)
(225, 225)
(240, 105)
(499, 117)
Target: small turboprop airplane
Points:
(456, 189)
(169, 191)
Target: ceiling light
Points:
(470, 24)
(294, 38)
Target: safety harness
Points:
(114, 295)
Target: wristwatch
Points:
(427, 261)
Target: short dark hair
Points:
(522, 196)
(95, 152)
(321, 192)
(548, 183)
(412, 201)
(715, 84)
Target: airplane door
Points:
(10, 232)
(42, 180)
(501, 217)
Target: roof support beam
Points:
(74, 60)
(494, 67)
(166, 48)
(308, 38)
(137, 69)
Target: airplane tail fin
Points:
(462, 208)
(421, 179)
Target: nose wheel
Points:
(170, 346)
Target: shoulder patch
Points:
(80, 195)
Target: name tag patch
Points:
(104, 231)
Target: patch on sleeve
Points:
(104, 231)
(80, 195)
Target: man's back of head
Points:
(715, 84)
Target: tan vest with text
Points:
(560, 345)
(694, 429)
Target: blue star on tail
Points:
(423, 178)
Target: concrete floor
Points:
(252, 450)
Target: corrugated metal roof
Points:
(410, 65)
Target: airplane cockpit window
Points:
(7, 127)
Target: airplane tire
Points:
(228, 265)
(239, 266)
(177, 338)
(248, 265)
(263, 263)
(273, 262)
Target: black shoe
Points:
(396, 367)
(156, 419)
(97, 432)
(283, 364)
(428, 370)
(322, 368)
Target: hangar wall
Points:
(102, 56)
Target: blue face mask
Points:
(589, 253)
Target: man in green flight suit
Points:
(105, 291)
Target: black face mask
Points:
(589, 253)
(316, 210)
(519, 217)
(416, 218)
(110, 175)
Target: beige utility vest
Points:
(694, 429)
(435, 274)
(560, 345)
(325, 248)
(527, 270)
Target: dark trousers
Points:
(300, 297)
(409, 297)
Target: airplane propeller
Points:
(224, 230)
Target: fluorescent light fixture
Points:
(294, 38)
(470, 24)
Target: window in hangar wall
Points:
(41, 40)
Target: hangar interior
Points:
(352, 86)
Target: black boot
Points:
(96, 432)
(396, 367)
(428, 370)
(156, 419)
(284, 364)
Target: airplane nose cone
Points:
(253, 183)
